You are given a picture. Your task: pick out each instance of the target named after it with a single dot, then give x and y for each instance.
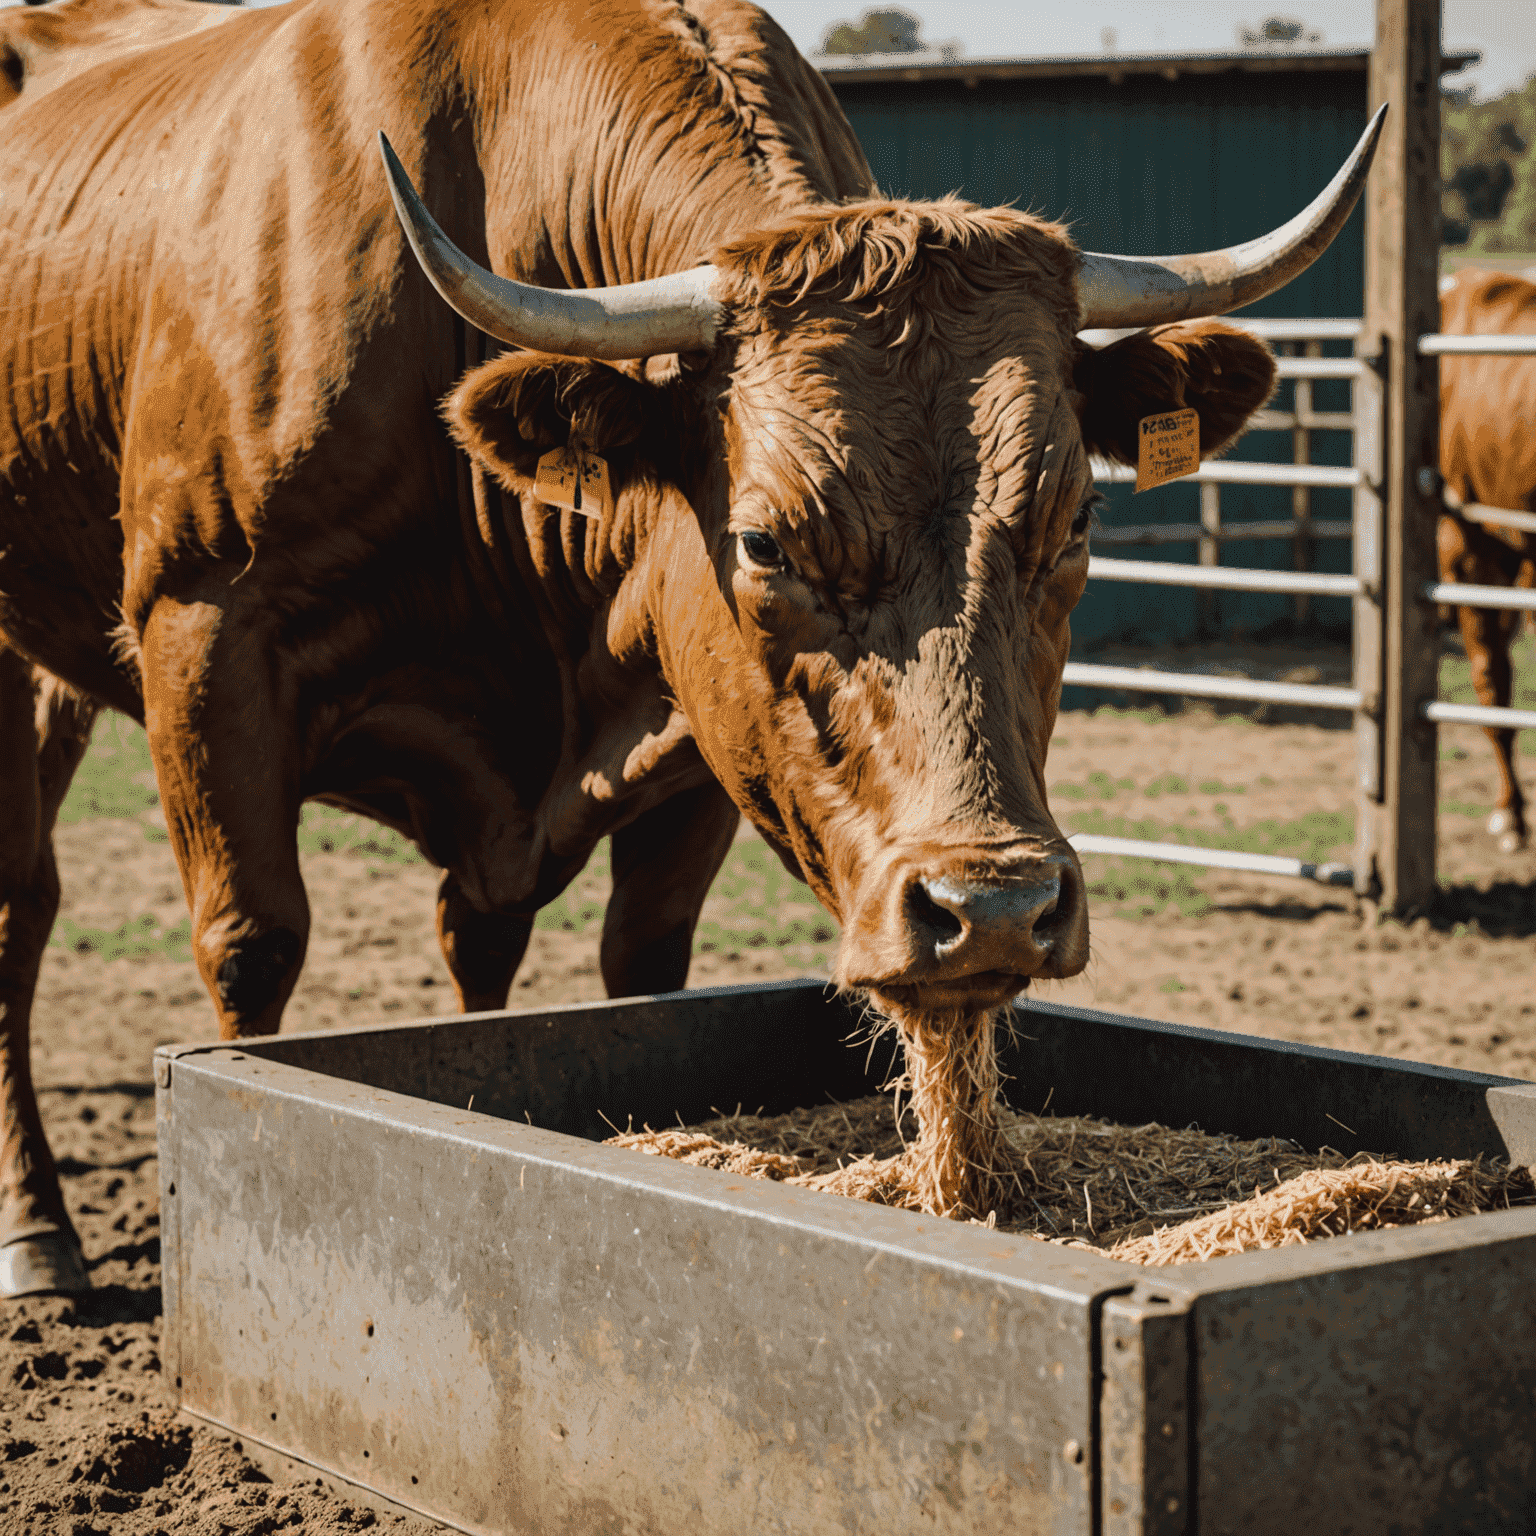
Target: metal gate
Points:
(1364, 585)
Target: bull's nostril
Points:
(926, 911)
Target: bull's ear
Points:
(1224, 373)
(509, 412)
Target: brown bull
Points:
(1488, 458)
(851, 494)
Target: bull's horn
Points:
(1117, 291)
(664, 314)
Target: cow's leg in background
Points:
(222, 726)
(482, 949)
(1470, 553)
(1487, 633)
(44, 731)
(663, 865)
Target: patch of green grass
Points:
(1098, 786)
(1172, 984)
(324, 829)
(116, 778)
(1216, 787)
(1144, 716)
(134, 939)
(1464, 808)
(1138, 888)
(580, 907)
(756, 903)
(1312, 836)
(1166, 784)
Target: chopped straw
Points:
(1145, 1194)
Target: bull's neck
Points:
(646, 139)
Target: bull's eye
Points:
(1086, 515)
(762, 549)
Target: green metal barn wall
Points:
(1143, 167)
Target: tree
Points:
(888, 31)
(1278, 29)
(1488, 170)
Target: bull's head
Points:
(873, 457)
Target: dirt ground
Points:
(87, 1440)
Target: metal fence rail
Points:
(1238, 472)
(1224, 577)
(1477, 346)
(1499, 517)
(1319, 367)
(1462, 594)
(1302, 330)
(1227, 533)
(1480, 714)
(1198, 685)
(1213, 858)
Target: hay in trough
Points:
(1145, 1194)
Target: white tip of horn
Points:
(1131, 291)
(676, 313)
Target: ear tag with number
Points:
(574, 477)
(1168, 446)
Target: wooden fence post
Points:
(1402, 250)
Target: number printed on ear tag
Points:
(571, 477)
(1168, 447)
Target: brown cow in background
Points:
(1488, 457)
(848, 440)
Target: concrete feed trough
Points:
(483, 1315)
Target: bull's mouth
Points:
(983, 990)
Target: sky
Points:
(1504, 31)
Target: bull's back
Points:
(196, 256)
(41, 49)
(1488, 404)
(209, 329)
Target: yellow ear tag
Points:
(576, 478)
(1168, 446)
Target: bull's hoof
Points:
(1510, 832)
(35, 1266)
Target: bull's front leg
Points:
(482, 949)
(222, 725)
(44, 731)
(663, 865)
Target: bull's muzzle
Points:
(950, 933)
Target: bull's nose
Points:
(1025, 925)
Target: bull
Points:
(847, 446)
(1488, 458)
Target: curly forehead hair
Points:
(891, 258)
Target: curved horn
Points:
(1117, 291)
(664, 314)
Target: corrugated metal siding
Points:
(1142, 167)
